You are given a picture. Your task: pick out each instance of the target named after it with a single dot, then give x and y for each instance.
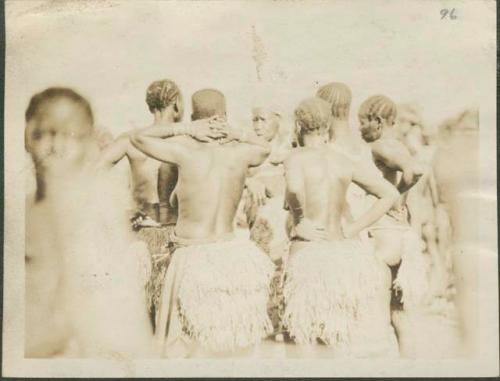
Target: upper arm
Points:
(394, 154)
(254, 154)
(172, 150)
(295, 194)
(294, 176)
(372, 181)
(114, 152)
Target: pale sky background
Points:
(111, 50)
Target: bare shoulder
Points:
(388, 147)
(344, 164)
(184, 140)
(296, 156)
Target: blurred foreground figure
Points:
(457, 173)
(215, 293)
(84, 290)
(337, 293)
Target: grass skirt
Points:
(329, 291)
(218, 292)
(157, 240)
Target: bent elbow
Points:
(393, 195)
(136, 140)
(264, 153)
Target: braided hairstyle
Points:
(339, 96)
(312, 114)
(378, 107)
(161, 94)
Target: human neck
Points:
(341, 127)
(41, 188)
(314, 141)
(164, 117)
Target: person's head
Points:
(312, 122)
(207, 103)
(339, 96)
(266, 123)
(164, 96)
(410, 128)
(59, 128)
(376, 114)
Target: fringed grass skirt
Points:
(157, 241)
(330, 290)
(216, 294)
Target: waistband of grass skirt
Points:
(178, 242)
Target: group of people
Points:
(229, 236)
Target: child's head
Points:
(312, 122)
(339, 96)
(375, 114)
(164, 94)
(59, 127)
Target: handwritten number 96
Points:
(448, 13)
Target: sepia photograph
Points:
(282, 188)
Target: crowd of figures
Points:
(322, 238)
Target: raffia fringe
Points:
(157, 240)
(223, 294)
(325, 290)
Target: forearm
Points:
(249, 137)
(113, 153)
(295, 206)
(433, 189)
(406, 181)
(166, 131)
(378, 209)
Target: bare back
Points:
(326, 175)
(144, 172)
(209, 188)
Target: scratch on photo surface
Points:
(259, 53)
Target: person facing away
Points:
(209, 264)
(152, 183)
(339, 96)
(218, 169)
(330, 277)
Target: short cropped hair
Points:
(52, 93)
(378, 106)
(312, 114)
(339, 96)
(207, 103)
(163, 93)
